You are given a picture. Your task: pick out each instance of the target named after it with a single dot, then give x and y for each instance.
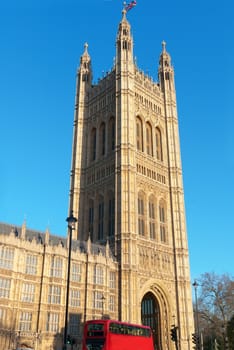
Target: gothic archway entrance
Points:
(150, 316)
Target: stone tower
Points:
(127, 191)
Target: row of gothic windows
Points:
(155, 219)
(153, 216)
(99, 277)
(102, 140)
(147, 141)
(98, 221)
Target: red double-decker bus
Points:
(115, 335)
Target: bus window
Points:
(115, 335)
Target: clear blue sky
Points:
(40, 46)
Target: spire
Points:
(165, 71)
(165, 58)
(86, 54)
(85, 58)
(124, 41)
(85, 65)
(47, 236)
(124, 14)
(124, 22)
(23, 230)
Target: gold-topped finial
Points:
(124, 9)
(86, 47)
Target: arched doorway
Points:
(150, 316)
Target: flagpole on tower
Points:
(130, 5)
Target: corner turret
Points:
(85, 69)
(165, 71)
(124, 43)
(83, 86)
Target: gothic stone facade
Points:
(33, 277)
(127, 194)
(126, 187)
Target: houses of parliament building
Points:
(129, 253)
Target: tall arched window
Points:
(139, 134)
(101, 218)
(93, 144)
(149, 144)
(111, 135)
(102, 139)
(150, 316)
(152, 225)
(141, 215)
(162, 221)
(91, 218)
(111, 215)
(158, 139)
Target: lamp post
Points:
(195, 285)
(71, 220)
(103, 300)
